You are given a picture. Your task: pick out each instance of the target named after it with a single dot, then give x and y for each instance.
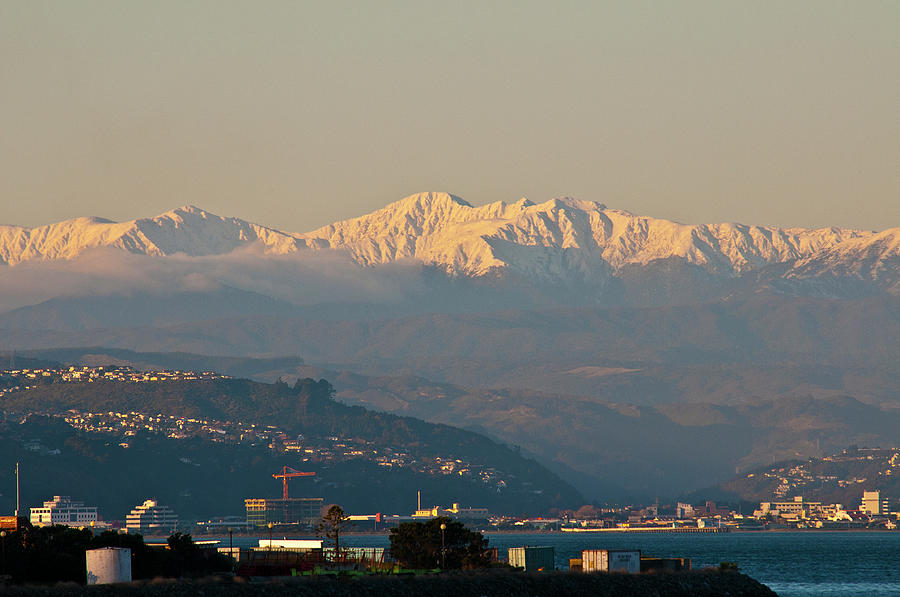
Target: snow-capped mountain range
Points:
(188, 230)
(443, 230)
(541, 241)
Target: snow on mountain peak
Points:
(442, 230)
(546, 240)
(186, 210)
(431, 198)
(189, 230)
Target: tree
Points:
(420, 545)
(333, 523)
(186, 558)
(587, 512)
(56, 554)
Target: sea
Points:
(791, 563)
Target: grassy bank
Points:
(561, 584)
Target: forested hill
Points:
(306, 407)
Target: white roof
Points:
(292, 543)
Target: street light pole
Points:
(231, 546)
(443, 547)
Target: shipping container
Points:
(665, 564)
(611, 560)
(533, 559)
(12, 523)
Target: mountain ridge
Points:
(186, 229)
(560, 238)
(477, 240)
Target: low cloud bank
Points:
(304, 278)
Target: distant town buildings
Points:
(63, 510)
(29, 378)
(454, 511)
(150, 518)
(795, 509)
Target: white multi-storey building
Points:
(62, 510)
(151, 519)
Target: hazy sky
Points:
(295, 114)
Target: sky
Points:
(298, 114)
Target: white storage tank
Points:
(611, 560)
(108, 565)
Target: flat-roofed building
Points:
(873, 505)
(62, 510)
(798, 508)
(151, 519)
(459, 513)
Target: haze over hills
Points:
(556, 326)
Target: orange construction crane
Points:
(287, 473)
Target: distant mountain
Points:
(873, 259)
(568, 328)
(561, 234)
(553, 350)
(562, 240)
(189, 230)
(144, 309)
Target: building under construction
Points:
(299, 511)
(304, 511)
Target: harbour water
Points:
(793, 564)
